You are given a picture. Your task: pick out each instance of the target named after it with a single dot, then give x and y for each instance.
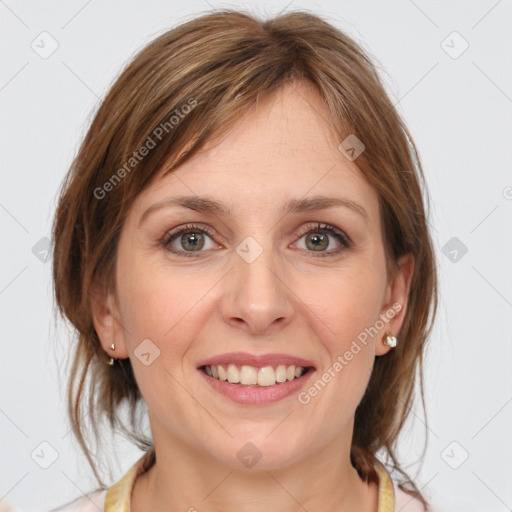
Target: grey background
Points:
(458, 108)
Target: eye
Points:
(190, 238)
(319, 239)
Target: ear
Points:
(395, 303)
(105, 317)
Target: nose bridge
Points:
(256, 293)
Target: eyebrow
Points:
(205, 204)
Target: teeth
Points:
(252, 375)
(233, 374)
(266, 376)
(281, 373)
(222, 373)
(249, 375)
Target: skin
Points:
(288, 300)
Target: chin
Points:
(261, 454)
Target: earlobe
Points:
(394, 310)
(104, 317)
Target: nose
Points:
(257, 297)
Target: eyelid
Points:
(189, 226)
(310, 227)
(322, 226)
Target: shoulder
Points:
(404, 502)
(91, 502)
(391, 497)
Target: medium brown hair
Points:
(222, 63)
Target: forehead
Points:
(283, 149)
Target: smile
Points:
(272, 389)
(246, 375)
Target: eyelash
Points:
(316, 227)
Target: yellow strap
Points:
(119, 495)
(386, 491)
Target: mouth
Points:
(256, 379)
(254, 385)
(255, 376)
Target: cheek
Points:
(159, 305)
(160, 308)
(345, 378)
(346, 310)
(347, 304)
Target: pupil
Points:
(194, 241)
(317, 240)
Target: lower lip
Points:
(256, 395)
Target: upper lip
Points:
(260, 360)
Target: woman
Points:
(242, 246)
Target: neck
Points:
(184, 479)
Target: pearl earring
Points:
(389, 339)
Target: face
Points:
(257, 280)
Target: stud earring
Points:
(111, 362)
(389, 339)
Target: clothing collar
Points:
(119, 495)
